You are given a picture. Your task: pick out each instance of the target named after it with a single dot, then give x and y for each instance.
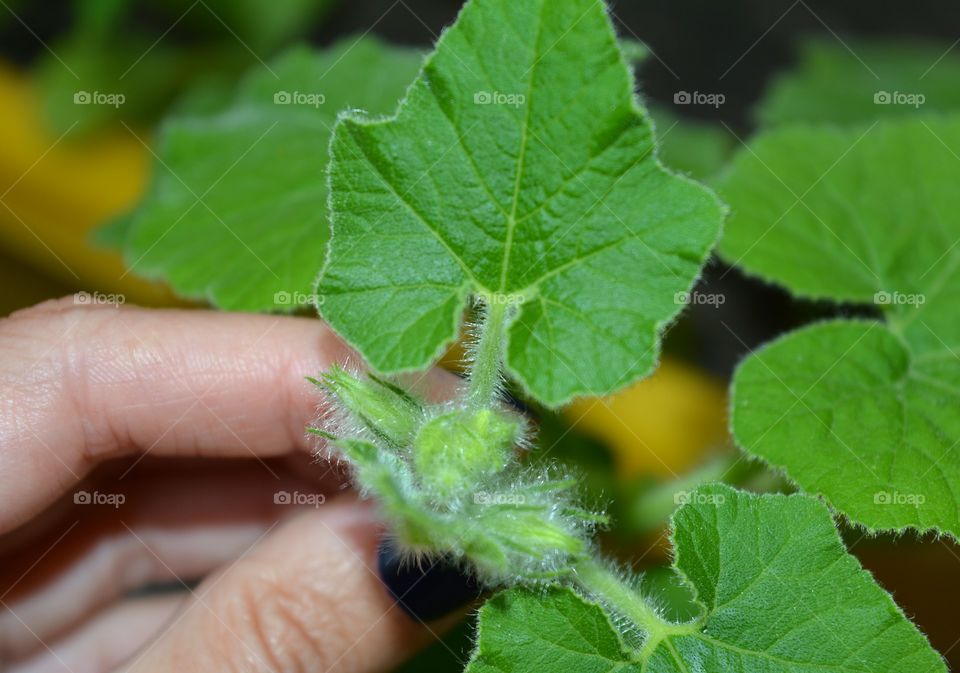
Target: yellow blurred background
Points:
(55, 191)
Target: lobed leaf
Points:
(779, 593)
(863, 412)
(521, 168)
(522, 631)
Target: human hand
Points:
(140, 446)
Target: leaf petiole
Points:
(485, 369)
(598, 580)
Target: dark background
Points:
(694, 41)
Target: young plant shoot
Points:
(518, 182)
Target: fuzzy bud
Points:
(385, 410)
(522, 542)
(452, 452)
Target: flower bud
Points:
(382, 408)
(453, 451)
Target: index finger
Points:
(81, 384)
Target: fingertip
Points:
(307, 598)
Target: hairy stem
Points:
(487, 356)
(594, 577)
(597, 580)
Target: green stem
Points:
(487, 357)
(598, 581)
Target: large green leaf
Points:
(860, 411)
(779, 593)
(864, 80)
(519, 167)
(237, 210)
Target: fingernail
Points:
(427, 590)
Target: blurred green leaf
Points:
(860, 411)
(264, 26)
(864, 80)
(697, 148)
(85, 86)
(236, 212)
(108, 57)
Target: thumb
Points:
(308, 597)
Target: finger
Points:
(110, 569)
(307, 598)
(80, 384)
(171, 492)
(106, 641)
(169, 527)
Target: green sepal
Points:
(387, 411)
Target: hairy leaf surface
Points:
(519, 167)
(779, 593)
(863, 412)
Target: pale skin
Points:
(197, 418)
